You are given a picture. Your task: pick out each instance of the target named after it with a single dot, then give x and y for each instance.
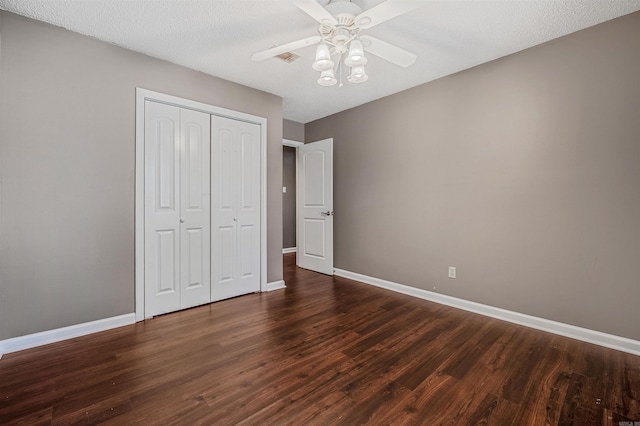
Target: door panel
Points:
(223, 255)
(194, 168)
(315, 206)
(313, 167)
(177, 209)
(196, 246)
(166, 262)
(235, 207)
(166, 164)
(162, 253)
(247, 248)
(249, 207)
(249, 150)
(223, 207)
(195, 217)
(225, 168)
(314, 232)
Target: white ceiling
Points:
(218, 37)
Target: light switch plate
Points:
(452, 271)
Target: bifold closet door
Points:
(177, 208)
(195, 198)
(235, 207)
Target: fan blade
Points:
(386, 11)
(278, 50)
(315, 10)
(388, 52)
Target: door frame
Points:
(143, 95)
(293, 144)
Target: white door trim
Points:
(143, 95)
(292, 144)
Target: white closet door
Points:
(162, 208)
(195, 211)
(177, 209)
(235, 201)
(248, 207)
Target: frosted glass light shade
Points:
(323, 60)
(358, 75)
(327, 78)
(356, 57)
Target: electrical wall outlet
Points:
(452, 271)
(284, 189)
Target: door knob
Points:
(327, 213)
(181, 220)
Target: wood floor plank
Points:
(32, 418)
(521, 375)
(468, 354)
(429, 403)
(624, 386)
(582, 402)
(541, 402)
(324, 351)
(370, 403)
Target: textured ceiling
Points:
(218, 37)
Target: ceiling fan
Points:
(339, 29)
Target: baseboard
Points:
(584, 334)
(51, 336)
(289, 250)
(275, 285)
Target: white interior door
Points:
(177, 224)
(235, 207)
(162, 208)
(195, 211)
(315, 206)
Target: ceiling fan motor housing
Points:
(345, 29)
(344, 11)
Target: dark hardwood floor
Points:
(324, 351)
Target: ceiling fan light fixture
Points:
(327, 78)
(339, 36)
(356, 57)
(323, 60)
(358, 75)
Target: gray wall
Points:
(524, 173)
(67, 111)
(293, 131)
